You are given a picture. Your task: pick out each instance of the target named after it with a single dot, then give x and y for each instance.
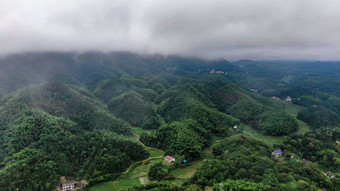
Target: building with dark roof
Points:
(277, 153)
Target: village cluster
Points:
(212, 71)
(278, 153)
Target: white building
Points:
(170, 159)
(68, 185)
(289, 99)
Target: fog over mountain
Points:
(233, 29)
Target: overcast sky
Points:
(231, 29)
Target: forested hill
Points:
(76, 115)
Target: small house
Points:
(274, 97)
(277, 153)
(69, 185)
(170, 159)
(72, 185)
(254, 90)
(289, 99)
(219, 72)
(329, 174)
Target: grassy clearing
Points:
(155, 153)
(132, 178)
(292, 109)
(138, 172)
(141, 171)
(187, 172)
(131, 138)
(271, 140)
(137, 175)
(139, 131)
(126, 183)
(157, 161)
(106, 186)
(303, 128)
(136, 131)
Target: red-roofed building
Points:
(170, 159)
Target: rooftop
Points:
(169, 157)
(69, 182)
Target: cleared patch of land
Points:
(155, 153)
(187, 172)
(271, 140)
(294, 110)
(106, 186)
(303, 128)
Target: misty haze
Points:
(240, 95)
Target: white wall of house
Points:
(68, 186)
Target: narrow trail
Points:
(152, 148)
(142, 161)
(145, 160)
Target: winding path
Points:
(152, 148)
(145, 160)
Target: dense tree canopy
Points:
(244, 158)
(276, 123)
(319, 146)
(43, 147)
(135, 109)
(178, 107)
(240, 185)
(181, 138)
(70, 114)
(319, 117)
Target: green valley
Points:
(122, 121)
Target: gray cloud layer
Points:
(232, 29)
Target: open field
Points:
(139, 131)
(187, 172)
(155, 153)
(303, 128)
(138, 175)
(136, 132)
(126, 183)
(294, 110)
(106, 186)
(271, 140)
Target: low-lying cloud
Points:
(232, 29)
